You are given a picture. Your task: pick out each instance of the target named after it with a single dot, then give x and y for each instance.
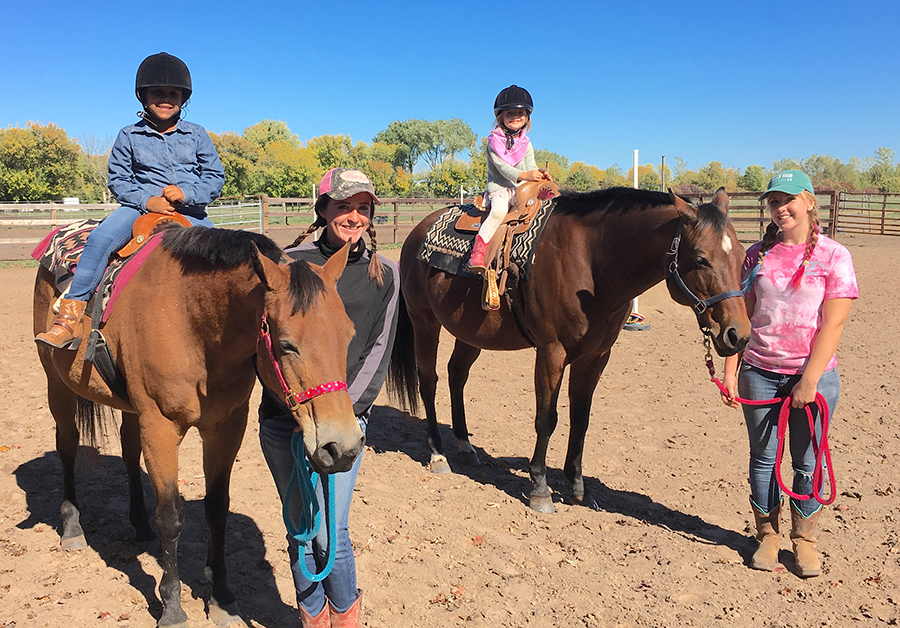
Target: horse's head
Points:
(305, 356)
(704, 272)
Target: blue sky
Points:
(737, 82)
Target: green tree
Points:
(884, 173)
(38, 162)
(332, 151)
(431, 140)
(754, 179)
(239, 157)
(411, 136)
(94, 166)
(266, 132)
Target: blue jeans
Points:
(340, 585)
(762, 428)
(107, 238)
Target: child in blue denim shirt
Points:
(161, 165)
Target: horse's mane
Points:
(609, 200)
(199, 247)
(623, 200)
(225, 248)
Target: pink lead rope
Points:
(820, 449)
(291, 398)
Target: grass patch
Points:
(21, 263)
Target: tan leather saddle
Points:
(145, 226)
(527, 202)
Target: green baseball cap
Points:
(790, 182)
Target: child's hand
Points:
(546, 174)
(532, 175)
(173, 194)
(730, 384)
(160, 205)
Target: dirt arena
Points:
(665, 459)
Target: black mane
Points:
(199, 248)
(610, 199)
(218, 247)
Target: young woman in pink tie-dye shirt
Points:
(798, 286)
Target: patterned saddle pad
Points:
(447, 248)
(59, 253)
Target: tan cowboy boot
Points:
(67, 328)
(349, 618)
(322, 620)
(768, 533)
(476, 260)
(803, 536)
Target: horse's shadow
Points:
(393, 430)
(103, 502)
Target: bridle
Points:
(699, 306)
(292, 399)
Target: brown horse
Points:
(186, 334)
(597, 252)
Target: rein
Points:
(302, 475)
(672, 273)
(820, 448)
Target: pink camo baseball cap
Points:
(342, 183)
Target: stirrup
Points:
(490, 296)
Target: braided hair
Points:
(770, 239)
(375, 269)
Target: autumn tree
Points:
(38, 162)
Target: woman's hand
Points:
(730, 383)
(803, 393)
(160, 205)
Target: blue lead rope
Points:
(303, 479)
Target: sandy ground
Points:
(665, 459)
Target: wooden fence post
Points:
(396, 221)
(834, 214)
(264, 199)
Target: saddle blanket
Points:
(448, 249)
(59, 253)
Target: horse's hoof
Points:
(439, 465)
(542, 504)
(73, 542)
(470, 458)
(584, 500)
(229, 615)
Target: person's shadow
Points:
(103, 500)
(394, 430)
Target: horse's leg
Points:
(130, 434)
(160, 438)
(220, 447)
(548, 372)
(464, 355)
(427, 334)
(583, 378)
(62, 402)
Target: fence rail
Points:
(22, 225)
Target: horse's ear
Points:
(720, 199)
(684, 209)
(335, 265)
(267, 270)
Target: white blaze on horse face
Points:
(726, 244)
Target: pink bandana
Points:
(497, 141)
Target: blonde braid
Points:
(375, 270)
(812, 239)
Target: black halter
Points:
(672, 273)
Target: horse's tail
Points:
(91, 419)
(403, 375)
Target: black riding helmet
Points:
(513, 97)
(162, 69)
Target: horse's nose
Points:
(733, 340)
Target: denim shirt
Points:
(144, 161)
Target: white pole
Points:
(461, 191)
(634, 302)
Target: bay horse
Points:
(598, 251)
(207, 308)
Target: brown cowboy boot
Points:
(322, 620)
(803, 536)
(349, 618)
(67, 328)
(490, 293)
(768, 533)
(476, 260)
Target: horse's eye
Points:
(288, 347)
(702, 261)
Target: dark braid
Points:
(318, 209)
(376, 270)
